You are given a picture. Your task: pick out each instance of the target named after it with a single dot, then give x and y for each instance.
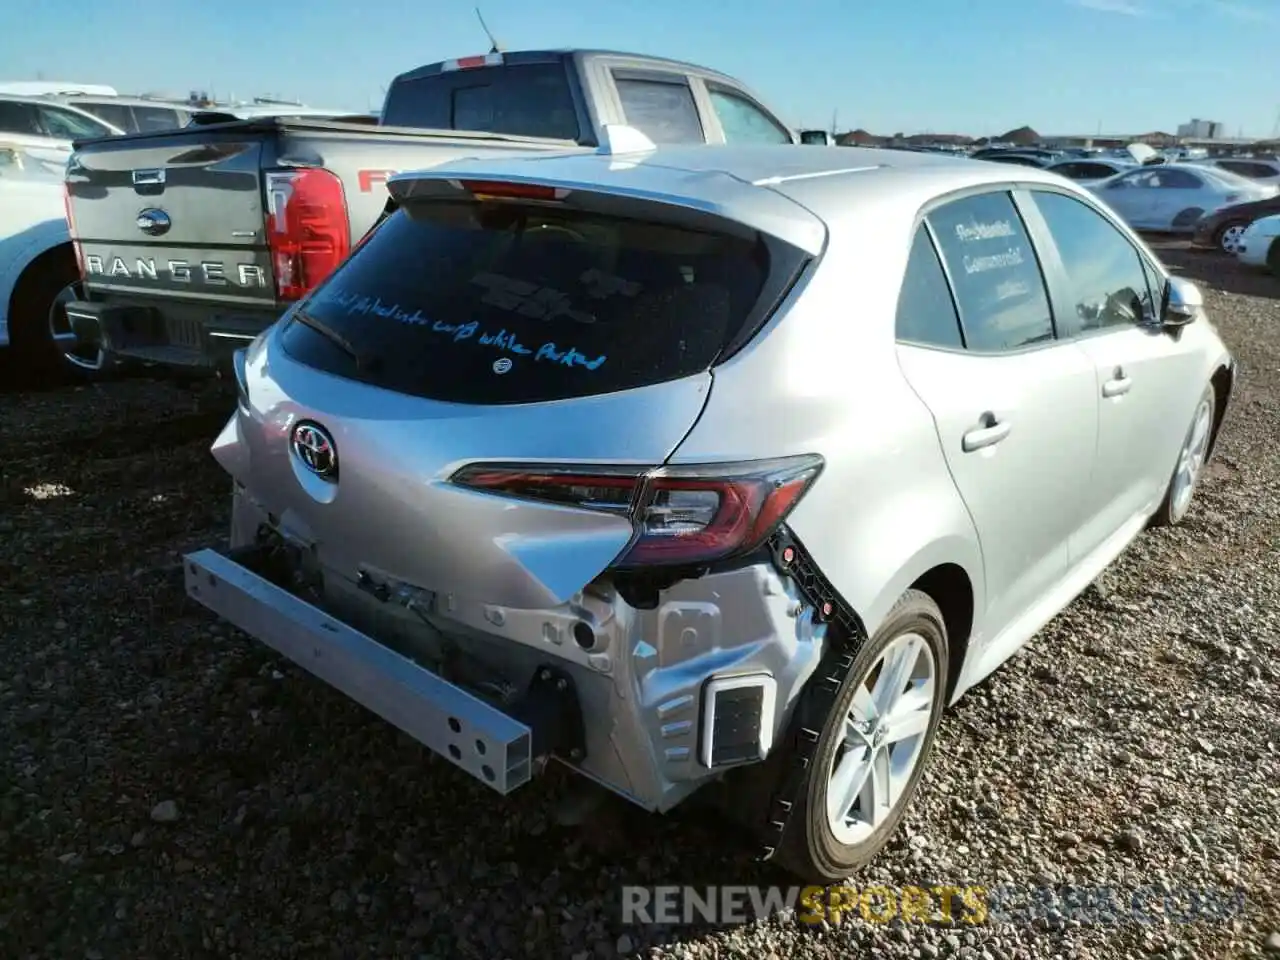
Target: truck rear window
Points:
(509, 303)
(525, 100)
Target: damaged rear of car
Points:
(451, 497)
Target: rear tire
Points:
(38, 310)
(837, 826)
(1273, 258)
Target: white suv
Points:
(45, 129)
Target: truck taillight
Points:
(71, 228)
(682, 515)
(308, 232)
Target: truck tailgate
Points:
(176, 215)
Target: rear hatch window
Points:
(515, 302)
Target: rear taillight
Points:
(71, 228)
(308, 232)
(682, 515)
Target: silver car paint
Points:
(1028, 522)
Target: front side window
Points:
(743, 121)
(663, 110)
(1137, 180)
(18, 117)
(994, 271)
(1107, 283)
(1176, 180)
(71, 126)
(926, 312)
(507, 302)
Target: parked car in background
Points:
(46, 129)
(1260, 244)
(1266, 169)
(986, 153)
(38, 271)
(1223, 229)
(129, 114)
(1090, 171)
(1018, 157)
(44, 88)
(1172, 197)
(252, 111)
(483, 483)
(182, 269)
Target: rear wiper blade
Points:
(333, 336)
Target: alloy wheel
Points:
(884, 735)
(1191, 459)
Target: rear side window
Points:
(999, 287)
(114, 113)
(157, 118)
(509, 303)
(663, 110)
(926, 312)
(1257, 171)
(526, 100)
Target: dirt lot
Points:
(170, 789)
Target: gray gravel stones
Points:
(170, 789)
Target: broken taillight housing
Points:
(682, 514)
(71, 229)
(308, 231)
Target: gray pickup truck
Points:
(192, 242)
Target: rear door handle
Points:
(989, 432)
(1118, 385)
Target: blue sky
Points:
(971, 66)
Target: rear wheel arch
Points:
(1187, 217)
(949, 586)
(59, 255)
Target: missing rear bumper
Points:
(493, 747)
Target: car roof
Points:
(794, 192)
(517, 57)
(70, 99)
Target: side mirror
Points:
(1181, 304)
(819, 138)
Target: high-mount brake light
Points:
(471, 63)
(505, 190)
(682, 515)
(308, 232)
(71, 226)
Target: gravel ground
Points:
(170, 789)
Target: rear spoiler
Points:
(756, 206)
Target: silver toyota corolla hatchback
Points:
(702, 464)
